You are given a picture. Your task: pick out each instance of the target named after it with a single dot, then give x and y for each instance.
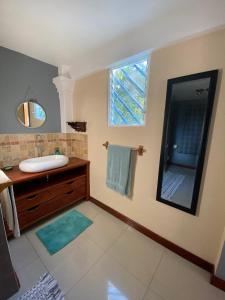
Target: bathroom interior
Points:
(112, 150)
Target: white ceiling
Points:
(91, 34)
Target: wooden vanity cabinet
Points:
(39, 195)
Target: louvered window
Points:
(128, 89)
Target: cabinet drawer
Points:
(35, 213)
(35, 198)
(29, 201)
(64, 198)
(69, 186)
(74, 183)
(72, 193)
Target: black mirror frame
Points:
(213, 75)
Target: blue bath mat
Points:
(62, 231)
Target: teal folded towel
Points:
(120, 169)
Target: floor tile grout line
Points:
(91, 266)
(37, 254)
(50, 271)
(95, 263)
(116, 239)
(126, 269)
(96, 243)
(147, 288)
(27, 264)
(86, 214)
(105, 252)
(153, 275)
(42, 261)
(149, 284)
(121, 265)
(123, 230)
(30, 262)
(131, 273)
(89, 269)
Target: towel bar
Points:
(140, 150)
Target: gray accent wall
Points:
(17, 72)
(220, 272)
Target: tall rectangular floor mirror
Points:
(189, 105)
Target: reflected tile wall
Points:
(16, 147)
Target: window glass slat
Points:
(127, 98)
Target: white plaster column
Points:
(65, 86)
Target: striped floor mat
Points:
(46, 288)
(171, 182)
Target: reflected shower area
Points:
(184, 131)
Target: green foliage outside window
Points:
(128, 86)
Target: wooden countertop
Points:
(18, 176)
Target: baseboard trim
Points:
(218, 282)
(157, 238)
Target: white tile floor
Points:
(111, 261)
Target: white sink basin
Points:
(39, 164)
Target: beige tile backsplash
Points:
(16, 147)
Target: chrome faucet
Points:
(38, 145)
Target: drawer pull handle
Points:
(68, 193)
(31, 197)
(33, 208)
(70, 182)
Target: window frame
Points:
(135, 59)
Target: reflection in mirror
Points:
(187, 118)
(114, 293)
(31, 114)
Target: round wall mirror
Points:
(31, 114)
